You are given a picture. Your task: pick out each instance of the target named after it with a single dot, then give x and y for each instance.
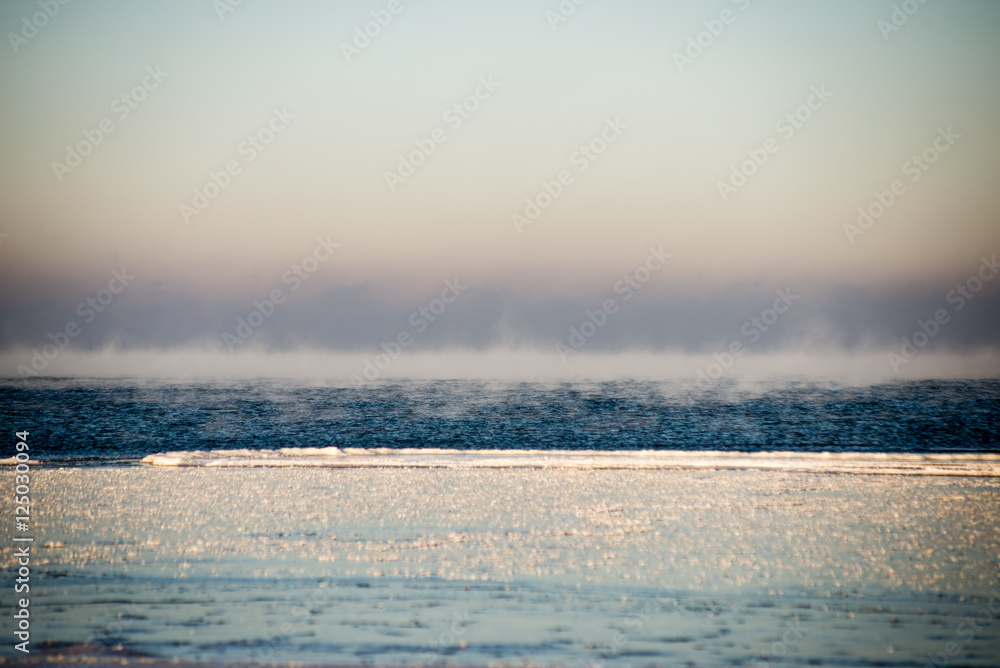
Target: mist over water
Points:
(371, 364)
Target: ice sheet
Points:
(818, 462)
(505, 566)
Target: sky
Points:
(234, 185)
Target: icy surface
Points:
(473, 566)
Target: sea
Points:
(119, 421)
(626, 524)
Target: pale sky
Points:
(672, 132)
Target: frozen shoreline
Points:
(971, 464)
(503, 566)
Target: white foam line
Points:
(980, 465)
(12, 461)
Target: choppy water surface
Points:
(105, 420)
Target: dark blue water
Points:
(120, 420)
